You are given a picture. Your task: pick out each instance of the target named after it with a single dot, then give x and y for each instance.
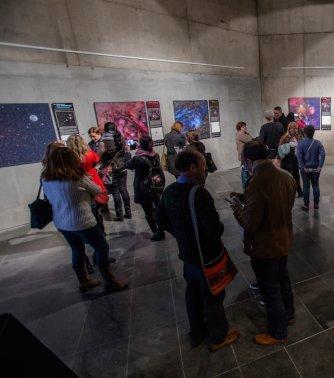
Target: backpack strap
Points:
(147, 161)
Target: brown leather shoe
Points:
(267, 340)
(89, 284)
(305, 208)
(228, 339)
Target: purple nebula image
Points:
(25, 130)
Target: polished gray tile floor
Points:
(142, 332)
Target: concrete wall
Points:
(220, 32)
(33, 82)
(210, 31)
(297, 33)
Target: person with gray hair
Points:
(271, 133)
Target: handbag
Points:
(219, 272)
(210, 163)
(164, 160)
(284, 150)
(40, 211)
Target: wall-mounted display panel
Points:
(25, 131)
(129, 117)
(194, 114)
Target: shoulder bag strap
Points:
(147, 161)
(309, 147)
(39, 189)
(194, 220)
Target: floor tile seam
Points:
(306, 280)
(236, 359)
(226, 372)
(260, 357)
(175, 316)
(80, 335)
(293, 362)
(130, 321)
(324, 281)
(307, 310)
(306, 338)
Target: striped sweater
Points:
(71, 203)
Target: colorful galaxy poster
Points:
(25, 131)
(326, 110)
(129, 117)
(65, 119)
(306, 110)
(155, 122)
(194, 115)
(214, 118)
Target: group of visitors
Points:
(291, 147)
(77, 179)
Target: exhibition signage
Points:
(326, 105)
(65, 119)
(214, 118)
(155, 122)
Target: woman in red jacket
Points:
(89, 159)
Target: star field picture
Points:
(25, 130)
(194, 115)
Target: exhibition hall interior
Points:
(166, 204)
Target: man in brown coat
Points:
(267, 222)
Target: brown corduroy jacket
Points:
(267, 216)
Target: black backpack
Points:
(154, 184)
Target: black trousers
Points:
(97, 211)
(149, 206)
(120, 193)
(205, 311)
(275, 287)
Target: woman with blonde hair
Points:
(89, 159)
(175, 141)
(287, 152)
(70, 191)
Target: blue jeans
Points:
(205, 311)
(275, 287)
(244, 176)
(92, 236)
(308, 179)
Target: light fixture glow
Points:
(33, 47)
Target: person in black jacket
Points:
(175, 141)
(271, 133)
(112, 151)
(140, 163)
(280, 117)
(205, 310)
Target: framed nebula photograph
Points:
(129, 117)
(306, 110)
(194, 115)
(25, 131)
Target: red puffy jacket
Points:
(88, 163)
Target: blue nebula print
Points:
(25, 130)
(194, 115)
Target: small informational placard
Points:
(214, 118)
(155, 122)
(65, 119)
(326, 109)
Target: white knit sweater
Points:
(71, 203)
